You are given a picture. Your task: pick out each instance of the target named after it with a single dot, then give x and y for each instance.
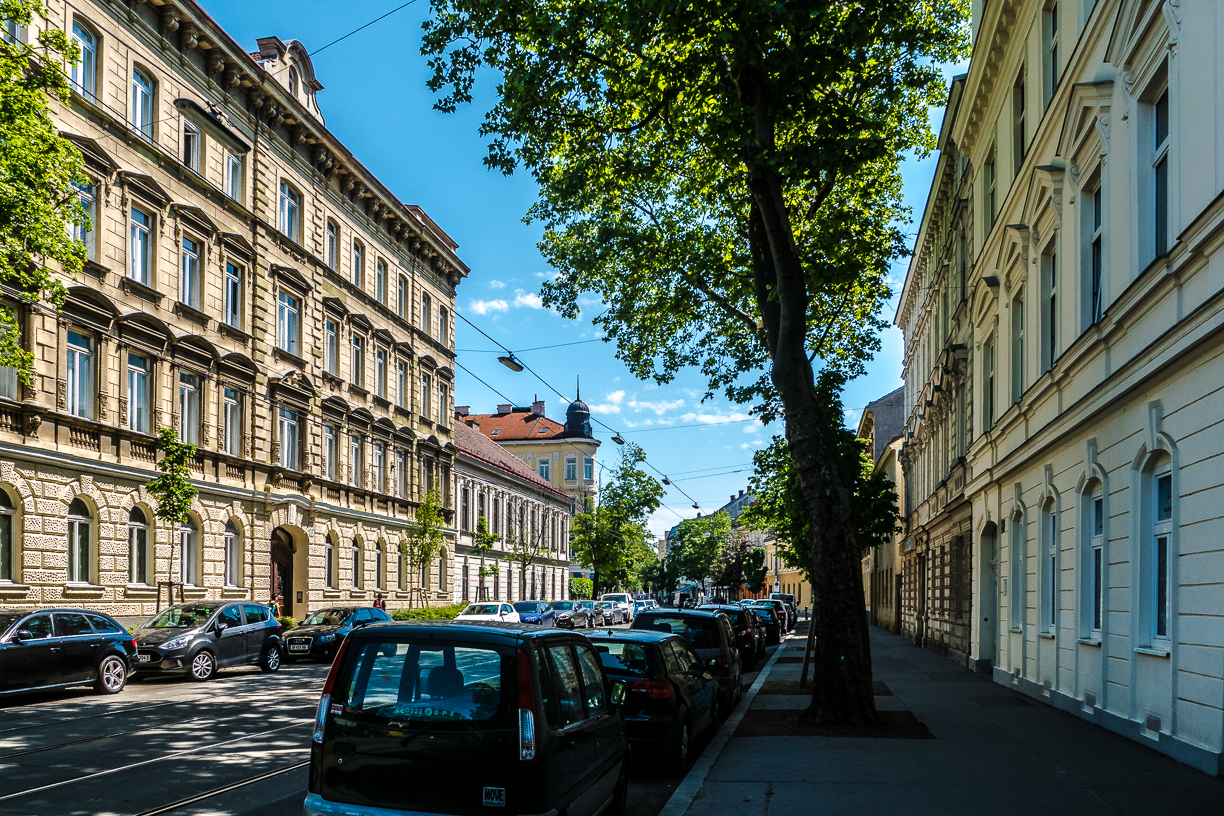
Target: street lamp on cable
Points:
(616, 437)
(511, 363)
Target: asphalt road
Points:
(236, 745)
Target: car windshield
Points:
(182, 617)
(526, 606)
(625, 658)
(410, 683)
(605, 604)
(327, 617)
(480, 609)
(702, 633)
(563, 605)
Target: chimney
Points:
(732, 497)
(537, 408)
(472, 423)
(741, 493)
(505, 409)
(462, 410)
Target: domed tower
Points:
(578, 418)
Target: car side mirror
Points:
(221, 627)
(617, 695)
(21, 635)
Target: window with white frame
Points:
(358, 264)
(1017, 346)
(189, 273)
(380, 467)
(355, 564)
(358, 361)
(380, 372)
(81, 377)
(990, 179)
(87, 195)
(1094, 302)
(139, 393)
(1160, 171)
(140, 250)
(329, 563)
(290, 438)
(401, 385)
(426, 311)
(356, 445)
(138, 547)
(1049, 568)
(290, 212)
(231, 418)
(233, 295)
(331, 347)
(233, 176)
(1096, 566)
(1015, 591)
(378, 565)
(288, 323)
(80, 542)
(401, 474)
(84, 74)
(571, 468)
(142, 103)
(588, 468)
(189, 407)
(1049, 310)
(401, 298)
(444, 327)
(1052, 64)
(330, 452)
(443, 401)
(426, 402)
(380, 281)
(189, 553)
(191, 146)
(544, 468)
(988, 384)
(333, 245)
(232, 550)
(1157, 586)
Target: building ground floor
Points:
(936, 601)
(496, 576)
(81, 534)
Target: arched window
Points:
(142, 103)
(380, 281)
(402, 578)
(189, 555)
(329, 563)
(8, 550)
(138, 547)
(1157, 552)
(378, 566)
(356, 565)
(293, 81)
(84, 74)
(233, 555)
(1015, 556)
(1049, 567)
(79, 538)
(444, 327)
(442, 572)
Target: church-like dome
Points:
(578, 418)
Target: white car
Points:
(488, 612)
(623, 600)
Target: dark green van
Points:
(467, 718)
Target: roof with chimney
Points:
(528, 424)
(883, 421)
(473, 443)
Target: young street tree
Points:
(724, 175)
(172, 487)
(40, 174)
(423, 542)
(525, 550)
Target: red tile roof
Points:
(518, 426)
(473, 443)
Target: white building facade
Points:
(1082, 287)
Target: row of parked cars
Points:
(607, 611)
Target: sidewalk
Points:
(994, 750)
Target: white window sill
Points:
(1089, 641)
(1046, 635)
(1153, 651)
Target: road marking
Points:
(679, 802)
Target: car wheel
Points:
(271, 660)
(112, 675)
(680, 754)
(203, 666)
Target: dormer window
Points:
(293, 81)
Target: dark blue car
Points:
(536, 612)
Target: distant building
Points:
(883, 426)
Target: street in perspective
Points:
(460, 407)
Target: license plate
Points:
(495, 797)
(299, 647)
(143, 658)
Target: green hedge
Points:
(429, 613)
(288, 622)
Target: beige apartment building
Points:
(1063, 315)
(882, 427)
(252, 285)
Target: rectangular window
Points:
(1049, 311)
(331, 347)
(443, 399)
(465, 519)
(288, 323)
(83, 74)
(571, 468)
(356, 444)
(988, 384)
(330, 452)
(1098, 547)
(588, 468)
(233, 295)
(426, 310)
(358, 265)
(1095, 261)
(544, 468)
(80, 387)
(990, 180)
(443, 327)
(290, 441)
(189, 407)
(401, 385)
(1162, 533)
(401, 474)
(380, 282)
(358, 361)
(87, 194)
(232, 419)
(1051, 571)
(1053, 67)
(426, 402)
(1017, 321)
(1018, 129)
(333, 244)
(380, 467)
(139, 393)
(290, 211)
(142, 104)
(380, 372)
(1016, 556)
(1160, 169)
(191, 146)
(140, 247)
(189, 280)
(233, 176)
(401, 298)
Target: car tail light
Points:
(134, 647)
(526, 706)
(325, 699)
(653, 689)
(721, 664)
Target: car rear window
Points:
(623, 658)
(431, 681)
(702, 633)
(480, 609)
(100, 624)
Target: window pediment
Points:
(361, 322)
(335, 305)
(237, 364)
(90, 307)
(236, 243)
(146, 330)
(291, 277)
(92, 151)
(145, 187)
(197, 218)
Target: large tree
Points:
(724, 175)
(698, 544)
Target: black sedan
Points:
(773, 626)
(322, 632)
(573, 615)
(670, 696)
(607, 613)
(43, 649)
(196, 639)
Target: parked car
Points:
(623, 600)
(670, 695)
(608, 613)
(788, 599)
(196, 639)
(432, 717)
(773, 625)
(503, 612)
(43, 649)
(639, 606)
(710, 634)
(758, 629)
(321, 632)
(784, 613)
(589, 606)
(572, 615)
(536, 612)
(745, 632)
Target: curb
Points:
(686, 791)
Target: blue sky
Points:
(376, 102)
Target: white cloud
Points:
(616, 397)
(483, 307)
(756, 443)
(713, 417)
(646, 423)
(604, 408)
(528, 299)
(496, 284)
(751, 429)
(661, 407)
(586, 301)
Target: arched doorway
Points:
(281, 573)
(988, 598)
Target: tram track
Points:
(200, 797)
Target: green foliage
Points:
(525, 550)
(581, 589)
(698, 543)
(39, 174)
(482, 539)
(429, 612)
(288, 622)
(173, 488)
(734, 565)
(606, 539)
(755, 570)
(423, 541)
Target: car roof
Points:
(23, 612)
(637, 635)
(692, 613)
(492, 630)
